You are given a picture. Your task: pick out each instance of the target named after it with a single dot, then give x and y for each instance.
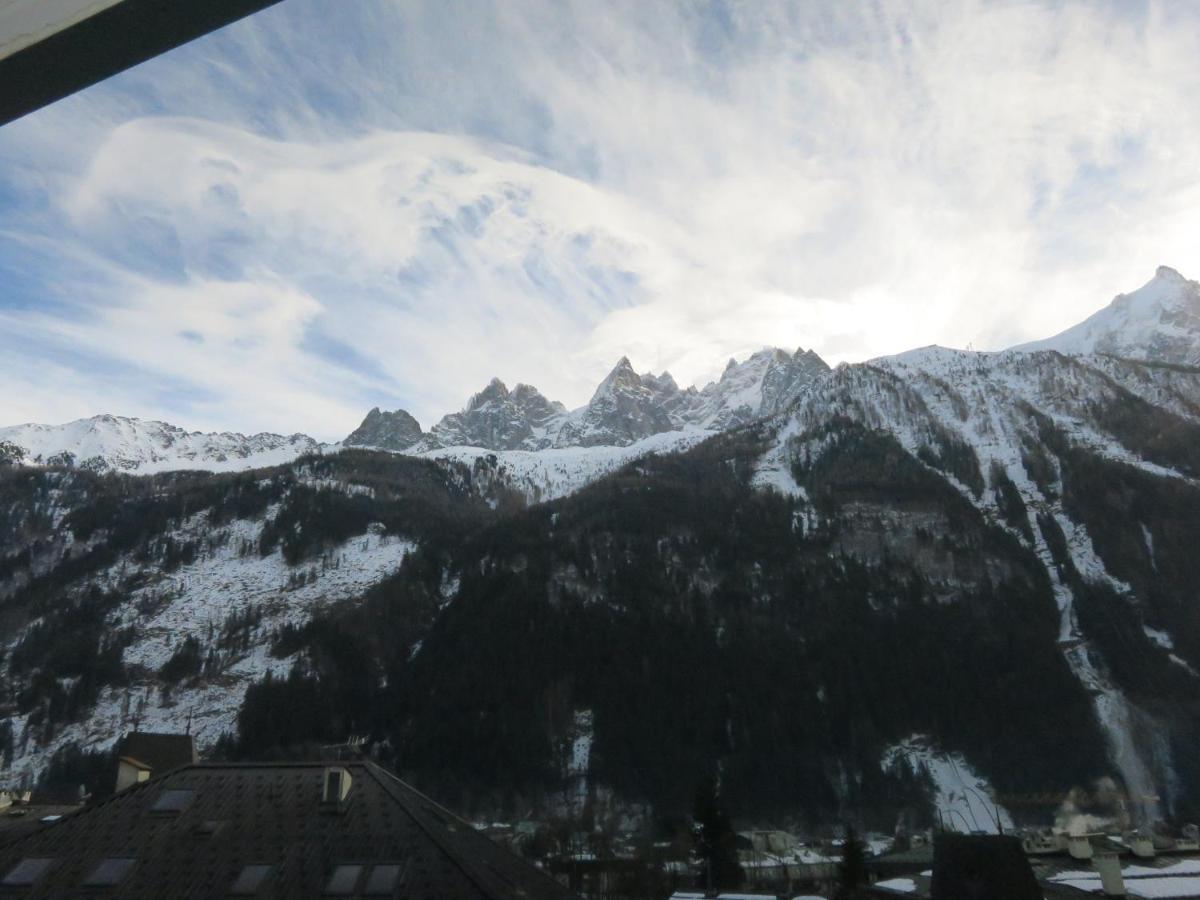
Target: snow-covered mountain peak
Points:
(496, 418)
(495, 390)
(108, 442)
(764, 383)
(621, 377)
(1159, 322)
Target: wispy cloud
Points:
(299, 217)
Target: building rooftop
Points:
(19, 820)
(264, 830)
(984, 867)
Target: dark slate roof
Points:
(243, 814)
(981, 867)
(161, 752)
(17, 821)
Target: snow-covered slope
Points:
(977, 418)
(558, 471)
(1159, 322)
(228, 579)
(146, 447)
(961, 795)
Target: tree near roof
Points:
(852, 871)
(714, 841)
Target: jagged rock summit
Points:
(497, 418)
(395, 430)
(1159, 322)
(625, 408)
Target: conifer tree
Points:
(852, 872)
(715, 843)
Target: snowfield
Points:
(962, 797)
(541, 475)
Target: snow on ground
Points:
(879, 845)
(899, 885)
(549, 474)
(196, 600)
(1176, 879)
(1173, 869)
(963, 797)
(773, 471)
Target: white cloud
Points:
(534, 189)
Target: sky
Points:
(310, 213)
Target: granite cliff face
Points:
(386, 431)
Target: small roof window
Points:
(344, 880)
(250, 879)
(26, 872)
(208, 827)
(383, 880)
(173, 801)
(109, 872)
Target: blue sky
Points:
(305, 215)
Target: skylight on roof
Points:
(208, 827)
(173, 801)
(109, 872)
(344, 880)
(26, 872)
(383, 880)
(250, 879)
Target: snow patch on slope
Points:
(164, 609)
(962, 795)
(549, 474)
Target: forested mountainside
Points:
(994, 552)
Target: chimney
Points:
(1142, 845)
(1108, 866)
(335, 788)
(1079, 846)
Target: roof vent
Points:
(1108, 865)
(335, 787)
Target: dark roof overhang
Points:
(47, 56)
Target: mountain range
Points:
(797, 573)
(1157, 323)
